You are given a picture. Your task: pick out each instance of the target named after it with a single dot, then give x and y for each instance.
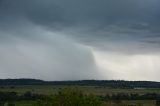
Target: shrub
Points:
(10, 104)
(69, 97)
(157, 102)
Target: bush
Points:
(1, 103)
(157, 102)
(69, 97)
(10, 104)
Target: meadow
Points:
(87, 90)
(96, 90)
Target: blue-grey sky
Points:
(80, 39)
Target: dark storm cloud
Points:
(39, 53)
(92, 22)
(44, 55)
(49, 33)
(94, 14)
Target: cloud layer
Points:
(80, 39)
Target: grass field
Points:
(123, 103)
(109, 103)
(132, 103)
(23, 103)
(51, 89)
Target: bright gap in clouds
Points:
(128, 67)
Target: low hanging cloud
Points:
(79, 39)
(48, 56)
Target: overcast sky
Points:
(80, 39)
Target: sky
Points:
(80, 39)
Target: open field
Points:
(132, 103)
(123, 103)
(51, 89)
(95, 90)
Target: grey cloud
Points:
(91, 13)
(49, 57)
(49, 33)
(88, 12)
(97, 20)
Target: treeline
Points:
(104, 83)
(21, 82)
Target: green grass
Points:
(132, 103)
(51, 89)
(23, 103)
(109, 103)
